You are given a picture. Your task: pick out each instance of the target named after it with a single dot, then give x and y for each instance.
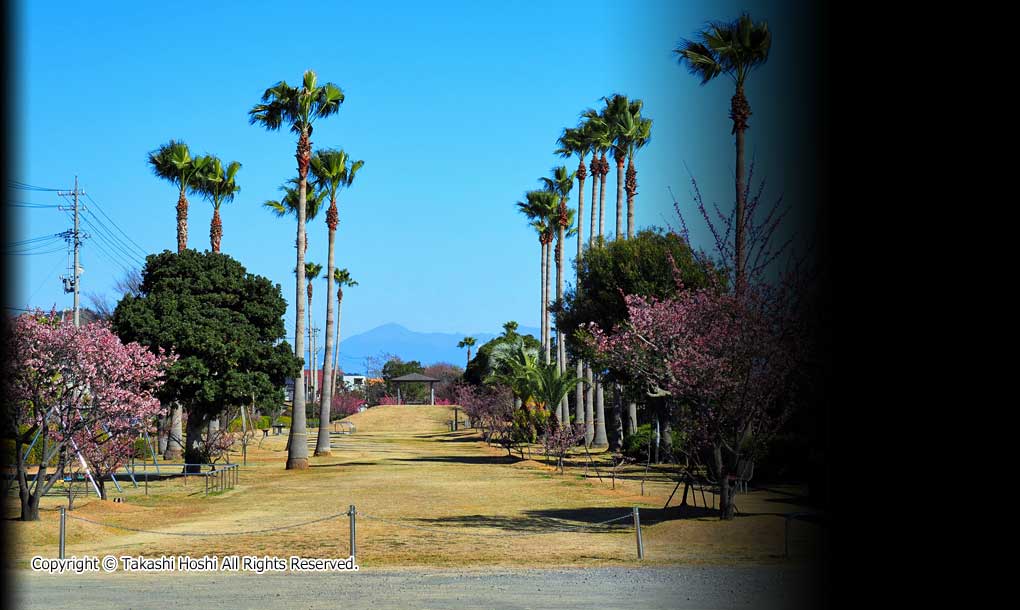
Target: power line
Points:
(30, 205)
(98, 207)
(111, 241)
(17, 184)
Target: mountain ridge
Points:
(426, 347)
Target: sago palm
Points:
(734, 48)
(298, 107)
(332, 170)
(218, 185)
(550, 386)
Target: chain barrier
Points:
(206, 534)
(495, 535)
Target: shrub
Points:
(636, 445)
(284, 420)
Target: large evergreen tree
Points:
(225, 325)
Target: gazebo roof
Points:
(411, 377)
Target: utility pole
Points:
(76, 271)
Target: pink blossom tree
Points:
(728, 354)
(67, 386)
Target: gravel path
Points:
(620, 588)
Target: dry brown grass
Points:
(403, 465)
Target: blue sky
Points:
(454, 107)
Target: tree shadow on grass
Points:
(345, 464)
(586, 519)
(463, 459)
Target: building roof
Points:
(415, 377)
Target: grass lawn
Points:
(404, 465)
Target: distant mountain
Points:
(427, 348)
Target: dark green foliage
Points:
(636, 445)
(639, 266)
(225, 324)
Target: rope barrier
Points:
(243, 533)
(496, 535)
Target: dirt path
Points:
(620, 588)
(438, 499)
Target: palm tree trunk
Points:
(561, 349)
(740, 111)
(336, 351)
(297, 450)
(325, 400)
(589, 407)
(579, 390)
(182, 222)
(619, 198)
(631, 186)
(215, 230)
(541, 290)
(600, 417)
(618, 418)
(175, 436)
(311, 345)
(548, 280)
(594, 184)
(603, 171)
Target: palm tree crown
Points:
(727, 47)
(289, 203)
(173, 162)
(297, 106)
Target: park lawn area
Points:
(403, 465)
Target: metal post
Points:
(146, 483)
(455, 417)
(637, 531)
(352, 513)
(63, 528)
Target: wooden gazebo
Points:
(417, 378)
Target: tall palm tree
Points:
(734, 48)
(578, 141)
(332, 170)
(341, 277)
(298, 107)
(218, 185)
(616, 112)
(312, 271)
(560, 184)
(173, 162)
(288, 204)
(633, 133)
(601, 137)
(541, 208)
(468, 342)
